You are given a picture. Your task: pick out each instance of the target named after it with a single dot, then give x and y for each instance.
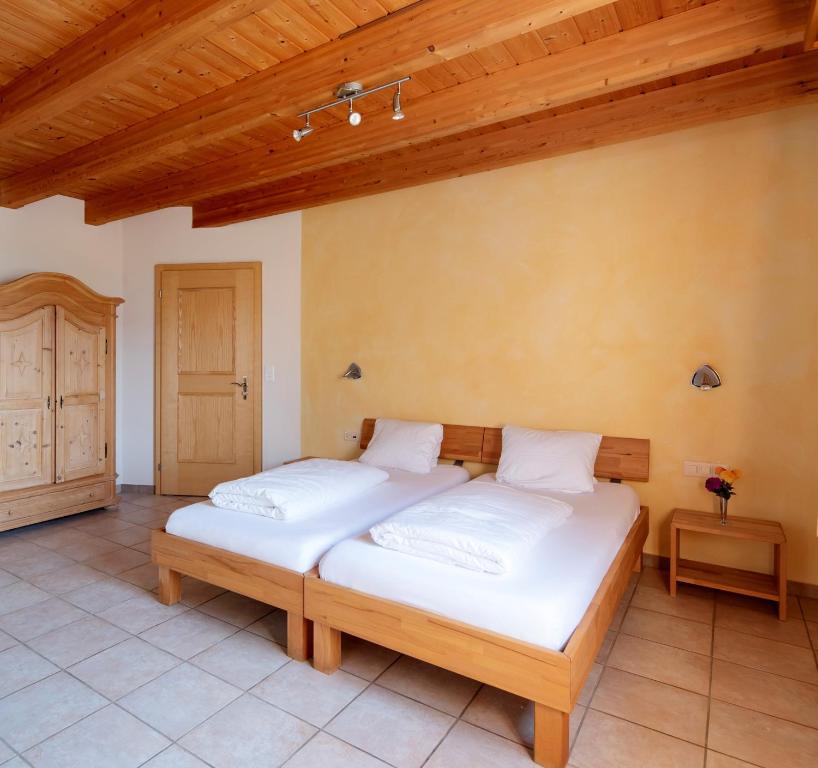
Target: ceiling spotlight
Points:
(354, 117)
(300, 133)
(397, 112)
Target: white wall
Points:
(118, 259)
(167, 237)
(50, 236)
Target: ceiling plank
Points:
(701, 37)
(418, 37)
(811, 37)
(765, 87)
(119, 47)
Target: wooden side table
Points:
(766, 586)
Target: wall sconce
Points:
(353, 372)
(705, 377)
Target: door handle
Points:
(243, 385)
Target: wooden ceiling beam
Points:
(121, 46)
(811, 36)
(765, 87)
(703, 36)
(416, 38)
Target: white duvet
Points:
(298, 490)
(481, 526)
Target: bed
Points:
(520, 636)
(267, 559)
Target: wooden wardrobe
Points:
(57, 399)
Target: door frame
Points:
(159, 270)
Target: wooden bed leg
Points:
(299, 636)
(637, 568)
(550, 736)
(170, 585)
(327, 657)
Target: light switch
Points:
(269, 373)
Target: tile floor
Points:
(95, 673)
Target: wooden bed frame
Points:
(551, 679)
(271, 584)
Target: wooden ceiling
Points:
(135, 106)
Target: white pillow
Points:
(410, 445)
(538, 460)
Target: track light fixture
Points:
(346, 94)
(300, 133)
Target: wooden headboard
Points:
(619, 458)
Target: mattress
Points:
(541, 601)
(299, 544)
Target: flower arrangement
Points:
(722, 482)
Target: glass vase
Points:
(723, 510)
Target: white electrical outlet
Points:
(701, 468)
(351, 437)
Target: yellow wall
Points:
(581, 292)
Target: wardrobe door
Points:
(26, 399)
(80, 393)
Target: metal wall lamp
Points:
(348, 93)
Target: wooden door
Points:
(81, 399)
(208, 377)
(26, 400)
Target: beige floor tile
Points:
(93, 546)
(605, 649)
(468, 747)
(75, 642)
(673, 666)
(6, 753)
(608, 742)
(101, 595)
(109, 737)
(118, 560)
(654, 578)
(175, 757)
(430, 685)
(695, 606)
(122, 668)
(809, 605)
(669, 630)
(6, 641)
(179, 700)
(19, 595)
(655, 705)
(235, 609)
(272, 627)
(142, 546)
(55, 538)
(195, 592)
(590, 685)
(20, 667)
(40, 710)
(761, 619)
(391, 727)
(103, 525)
(145, 576)
(248, 733)
(28, 623)
(365, 659)
(43, 562)
(242, 659)
(717, 760)
(188, 634)
(328, 752)
(502, 713)
(763, 692)
(768, 655)
(141, 612)
(305, 692)
(67, 579)
(7, 578)
(761, 739)
(136, 534)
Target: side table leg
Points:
(781, 578)
(674, 556)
